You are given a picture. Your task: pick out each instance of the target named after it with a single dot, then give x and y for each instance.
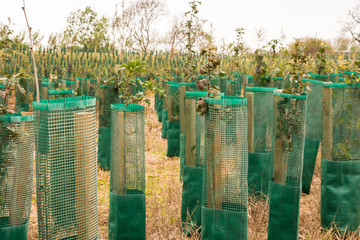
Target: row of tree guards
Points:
(265, 143)
(282, 134)
(62, 133)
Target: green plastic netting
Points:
(66, 168)
(340, 196)
(127, 179)
(2, 87)
(335, 77)
(91, 86)
(23, 100)
(313, 131)
(191, 163)
(63, 93)
(16, 174)
(173, 108)
(260, 134)
(225, 192)
(239, 82)
(107, 95)
(231, 88)
(286, 165)
(341, 124)
(164, 118)
(68, 84)
(44, 91)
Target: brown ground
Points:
(163, 197)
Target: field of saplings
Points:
(204, 143)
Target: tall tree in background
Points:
(175, 36)
(37, 38)
(86, 30)
(352, 24)
(145, 13)
(121, 27)
(19, 39)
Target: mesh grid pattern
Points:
(23, 100)
(66, 169)
(288, 138)
(314, 110)
(196, 130)
(127, 149)
(225, 155)
(200, 139)
(263, 118)
(341, 122)
(16, 169)
(173, 99)
(107, 96)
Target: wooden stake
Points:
(230, 89)
(250, 111)
(44, 92)
(216, 163)
(170, 108)
(102, 106)
(166, 88)
(122, 152)
(190, 133)
(182, 108)
(327, 145)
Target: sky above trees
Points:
(320, 18)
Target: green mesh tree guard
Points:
(55, 94)
(340, 195)
(239, 78)
(173, 108)
(79, 88)
(335, 78)
(286, 165)
(127, 179)
(260, 134)
(66, 84)
(164, 117)
(16, 174)
(225, 193)
(277, 82)
(313, 131)
(107, 95)
(319, 77)
(44, 89)
(2, 87)
(23, 100)
(230, 88)
(91, 86)
(66, 168)
(192, 144)
(160, 102)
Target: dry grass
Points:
(163, 198)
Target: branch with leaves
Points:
(129, 84)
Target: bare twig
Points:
(32, 54)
